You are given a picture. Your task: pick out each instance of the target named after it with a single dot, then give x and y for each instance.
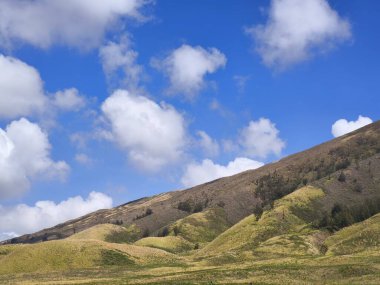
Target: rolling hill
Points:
(310, 218)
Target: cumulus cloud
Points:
(74, 23)
(187, 66)
(153, 135)
(68, 100)
(24, 156)
(342, 126)
(209, 145)
(22, 92)
(119, 59)
(198, 173)
(261, 138)
(297, 29)
(21, 89)
(23, 219)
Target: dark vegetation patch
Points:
(192, 207)
(342, 216)
(278, 184)
(113, 257)
(148, 212)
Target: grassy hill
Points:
(241, 194)
(310, 218)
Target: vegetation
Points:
(173, 244)
(313, 218)
(201, 227)
(342, 216)
(148, 212)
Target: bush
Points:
(258, 211)
(185, 206)
(148, 212)
(342, 177)
(146, 233)
(164, 232)
(176, 230)
(198, 207)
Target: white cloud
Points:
(297, 29)
(68, 99)
(21, 89)
(23, 219)
(187, 66)
(342, 126)
(24, 156)
(75, 23)
(119, 58)
(83, 158)
(209, 145)
(208, 170)
(261, 138)
(22, 92)
(153, 135)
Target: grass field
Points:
(280, 247)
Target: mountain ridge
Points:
(239, 195)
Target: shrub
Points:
(185, 206)
(342, 177)
(258, 211)
(198, 207)
(164, 232)
(176, 230)
(146, 233)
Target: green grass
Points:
(201, 227)
(289, 216)
(71, 254)
(361, 237)
(174, 244)
(281, 247)
(109, 233)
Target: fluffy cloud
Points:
(187, 66)
(23, 219)
(297, 29)
(261, 138)
(342, 126)
(208, 170)
(68, 99)
(119, 58)
(25, 155)
(153, 135)
(21, 89)
(209, 145)
(82, 24)
(22, 92)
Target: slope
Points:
(242, 194)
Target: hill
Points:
(310, 218)
(240, 195)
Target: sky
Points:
(104, 102)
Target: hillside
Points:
(242, 194)
(310, 218)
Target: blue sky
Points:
(205, 89)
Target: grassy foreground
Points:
(320, 270)
(281, 246)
